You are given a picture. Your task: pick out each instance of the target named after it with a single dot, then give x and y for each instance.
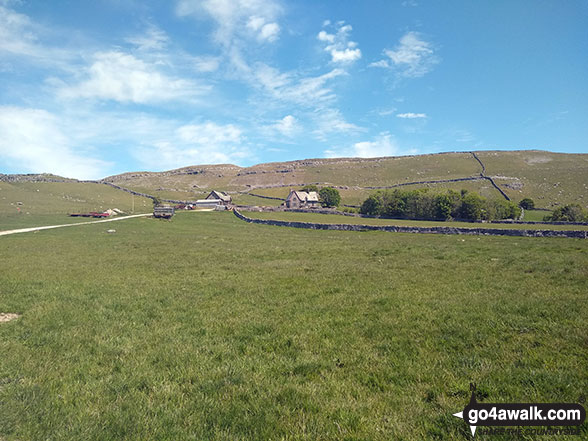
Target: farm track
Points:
(49, 227)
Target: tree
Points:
(373, 205)
(527, 204)
(156, 201)
(443, 205)
(310, 187)
(330, 197)
(569, 213)
(472, 207)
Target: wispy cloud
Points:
(413, 57)
(190, 144)
(289, 87)
(338, 45)
(331, 120)
(36, 141)
(237, 18)
(122, 77)
(382, 145)
(21, 37)
(411, 115)
(153, 39)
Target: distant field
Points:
(535, 215)
(340, 219)
(208, 328)
(47, 203)
(550, 179)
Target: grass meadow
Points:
(208, 328)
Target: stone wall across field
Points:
(425, 230)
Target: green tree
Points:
(443, 206)
(569, 213)
(329, 197)
(527, 204)
(472, 207)
(310, 187)
(373, 205)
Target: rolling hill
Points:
(551, 179)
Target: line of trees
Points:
(568, 213)
(422, 204)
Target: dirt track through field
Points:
(49, 227)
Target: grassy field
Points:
(535, 215)
(340, 219)
(49, 203)
(208, 328)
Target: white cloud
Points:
(411, 115)
(341, 50)
(21, 37)
(285, 87)
(17, 34)
(122, 77)
(236, 18)
(35, 141)
(382, 145)
(263, 31)
(192, 144)
(413, 57)
(287, 126)
(206, 63)
(324, 36)
(153, 39)
(331, 120)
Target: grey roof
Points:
(311, 196)
(220, 195)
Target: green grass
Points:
(208, 328)
(49, 203)
(550, 179)
(535, 215)
(340, 219)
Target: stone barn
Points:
(302, 199)
(220, 195)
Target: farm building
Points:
(220, 195)
(211, 204)
(302, 199)
(163, 211)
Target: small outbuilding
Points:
(302, 199)
(220, 195)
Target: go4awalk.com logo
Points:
(569, 415)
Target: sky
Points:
(94, 88)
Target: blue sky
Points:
(94, 88)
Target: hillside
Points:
(549, 178)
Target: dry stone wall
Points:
(425, 230)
